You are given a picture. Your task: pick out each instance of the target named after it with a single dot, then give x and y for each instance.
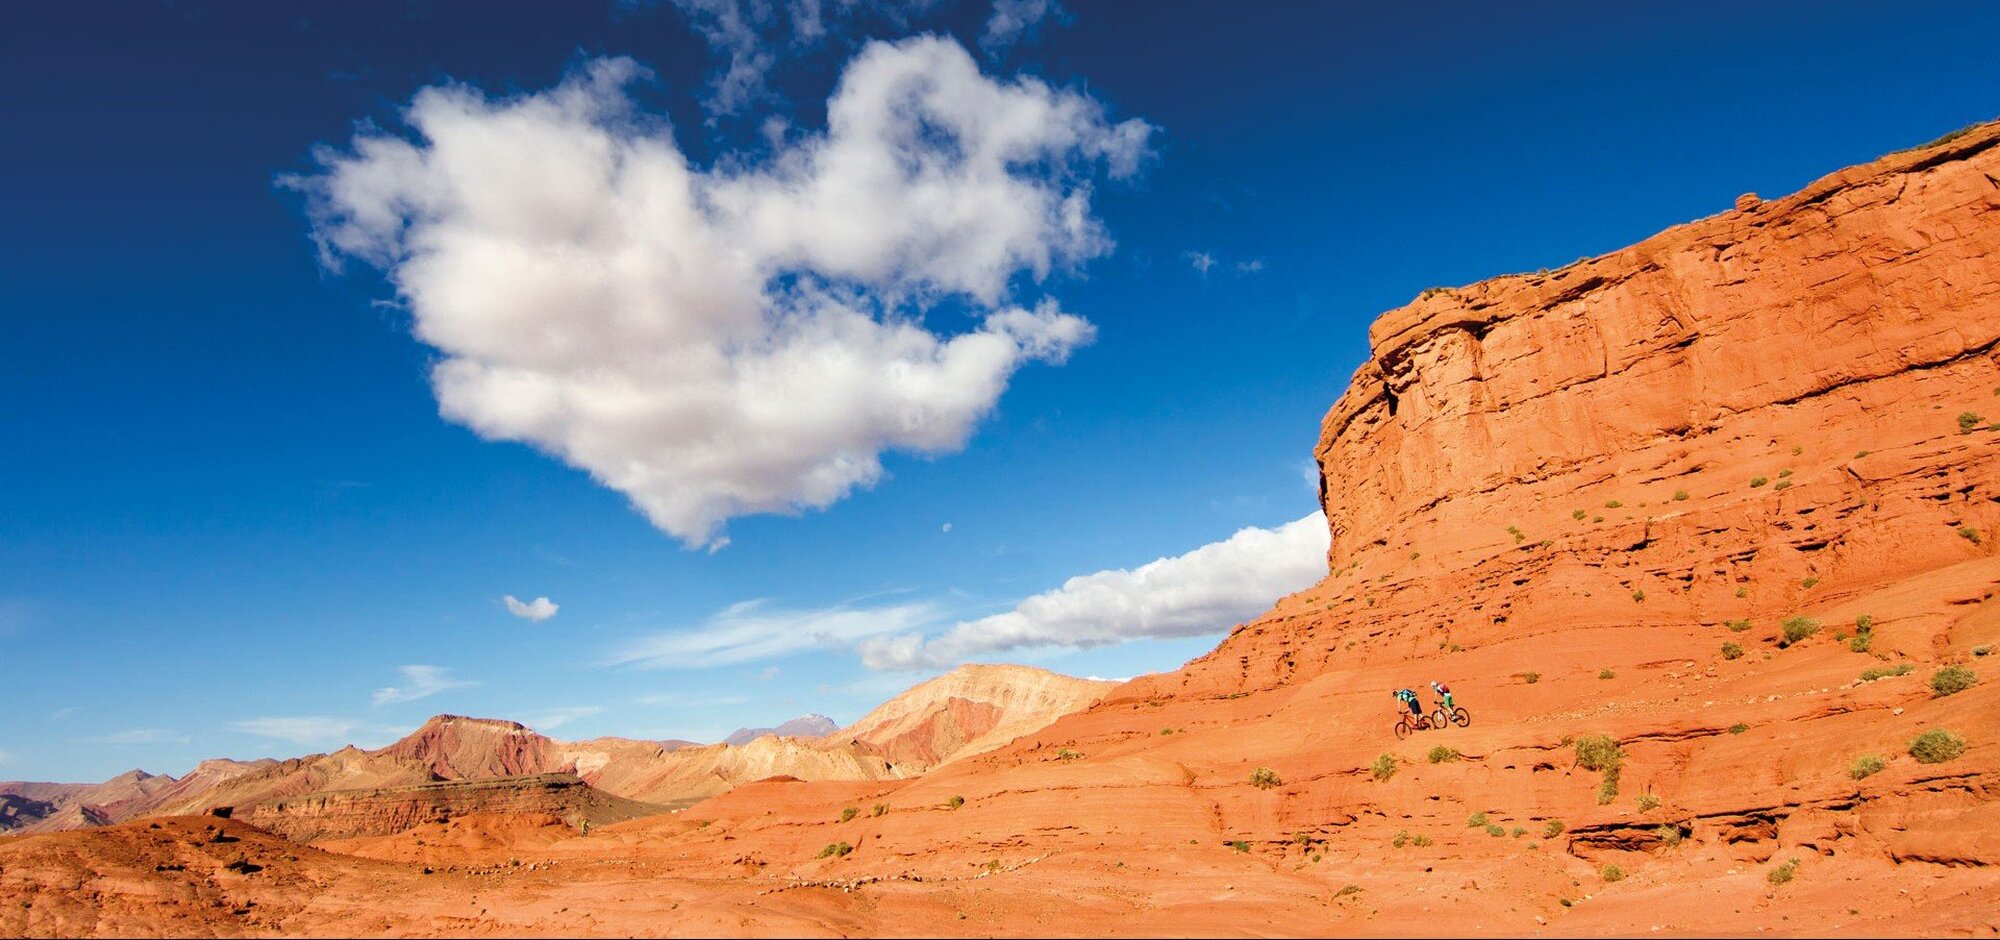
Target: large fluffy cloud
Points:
(537, 610)
(1203, 591)
(746, 337)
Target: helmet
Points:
(1436, 686)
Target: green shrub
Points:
(1264, 778)
(1670, 836)
(1738, 728)
(1065, 754)
(1384, 766)
(881, 809)
(1862, 453)
(1783, 873)
(1639, 595)
(1809, 582)
(1757, 481)
(1240, 845)
(1952, 680)
(1797, 451)
(1936, 746)
(1612, 504)
(1606, 674)
(1612, 873)
(1476, 820)
(1598, 752)
(1743, 592)
(849, 813)
(1969, 534)
(1578, 515)
(1442, 754)
(1597, 518)
(1860, 642)
(1783, 485)
(1647, 802)
(1864, 623)
(1533, 677)
(1865, 766)
(1680, 496)
(1515, 531)
(1737, 626)
(1402, 838)
(1552, 828)
(1968, 422)
(1798, 628)
(955, 802)
(1496, 830)
(1420, 840)
(836, 850)
(1732, 651)
(1519, 831)
(1883, 672)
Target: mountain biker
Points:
(1444, 694)
(1409, 698)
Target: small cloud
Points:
(420, 682)
(1252, 266)
(947, 527)
(1014, 19)
(1201, 261)
(61, 713)
(556, 718)
(140, 736)
(308, 731)
(767, 673)
(537, 610)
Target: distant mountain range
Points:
(804, 726)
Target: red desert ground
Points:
(1720, 602)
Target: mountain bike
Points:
(1409, 723)
(1457, 716)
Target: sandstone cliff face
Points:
(967, 711)
(347, 814)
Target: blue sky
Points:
(233, 521)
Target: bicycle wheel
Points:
(1439, 719)
(1402, 729)
(1460, 717)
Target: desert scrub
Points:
(1936, 746)
(1797, 628)
(1519, 831)
(1865, 766)
(1639, 595)
(1757, 482)
(1402, 838)
(1952, 680)
(1264, 778)
(955, 802)
(1518, 535)
(1613, 504)
(1783, 485)
(1606, 674)
(1384, 766)
(1442, 755)
(1533, 677)
(1680, 496)
(1669, 835)
(1420, 840)
(1552, 828)
(849, 813)
(1732, 651)
(835, 850)
(1476, 820)
(1864, 634)
(881, 809)
(1600, 752)
(1496, 830)
(1647, 802)
(1783, 873)
(1578, 515)
(1066, 754)
(1612, 873)
(1969, 422)
(1883, 672)
(1969, 534)
(1738, 728)
(1736, 626)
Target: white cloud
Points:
(1012, 19)
(1201, 261)
(557, 717)
(537, 610)
(420, 682)
(752, 35)
(1251, 266)
(308, 731)
(755, 630)
(947, 527)
(1203, 591)
(61, 713)
(141, 736)
(767, 673)
(746, 338)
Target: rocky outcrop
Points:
(804, 726)
(454, 747)
(967, 711)
(346, 814)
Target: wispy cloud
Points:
(677, 698)
(755, 630)
(420, 682)
(140, 736)
(1201, 261)
(307, 731)
(537, 610)
(1202, 591)
(557, 717)
(1013, 20)
(61, 713)
(5, 757)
